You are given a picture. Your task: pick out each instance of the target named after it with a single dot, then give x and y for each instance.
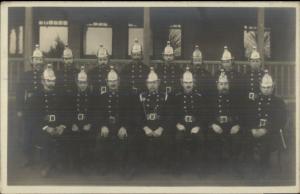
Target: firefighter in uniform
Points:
(50, 121)
(168, 72)
(266, 121)
(81, 134)
(134, 74)
(253, 76)
(98, 74)
(152, 126)
(234, 77)
(190, 120)
(203, 79)
(112, 127)
(28, 85)
(224, 128)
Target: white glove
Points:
(217, 128)
(148, 131)
(19, 114)
(87, 127)
(180, 127)
(195, 129)
(122, 133)
(60, 129)
(50, 130)
(158, 132)
(235, 129)
(254, 132)
(104, 131)
(261, 132)
(75, 128)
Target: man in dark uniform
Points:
(253, 76)
(98, 74)
(134, 74)
(111, 122)
(234, 77)
(82, 136)
(152, 124)
(224, 132)
(168, 72)
(28, 85)
(204, 81)
(266, 120)
(189, 116)
(50, 121)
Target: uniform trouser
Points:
(29, 146)
(189, 149)
(224, 148)
(112, 152)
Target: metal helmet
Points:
(102, 52)
(187, 75)
(197, 54)
(254, 54)
(37, 52)
(67, 52)
(48, 73)
(136, 48)
(82, 75)
(222, 77)
(152, 76)
(168, 49)
(267, 80)
(226, 54)
(112, 74)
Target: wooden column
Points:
(147, 36)
(74, 37)
(260, 31)
(28, 29)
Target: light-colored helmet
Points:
(187, 75)
(226, 54)
(197, 54)
(67, 52)
(254, 54)
(152, 76)
(102, 52)
(223, 77)
(267, 80)
(82, 75)
(48, 73)
(112, 74)
(136, 48)
(37, 52)
(168, 49)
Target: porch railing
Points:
(282, 72)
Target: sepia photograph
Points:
(146, 96)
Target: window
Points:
(250, 40)
(175, 38)
(16, 40)
(95, 35)
(134, 32)
(53, 37)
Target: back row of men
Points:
(149, 115)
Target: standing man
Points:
(28, 85)
(224, 132)
(98, 74)
(152, 124)
(266, 120)
(47, 112)
(134, 74)
(203, 79)
(169, 72)
(190, 120)
(82, 137)
(111, 122)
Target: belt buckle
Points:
(103, 89)
(80, 117)
(188, 119)
(262, 122)
(251, 96)
(112, 119)
(152, 116)
(168, 89)
(52, 118)
(223, 119)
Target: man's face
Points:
(68, 61)
(153, 85)
(168, 57)
(49, 84)
(136, 56)
(197, 61)
(37, 60)
(255, 64)
(113, 84)
(223, 87)
(267, 90)
(187, 86)
(103, 61)
(227, 65)
(82, 85)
